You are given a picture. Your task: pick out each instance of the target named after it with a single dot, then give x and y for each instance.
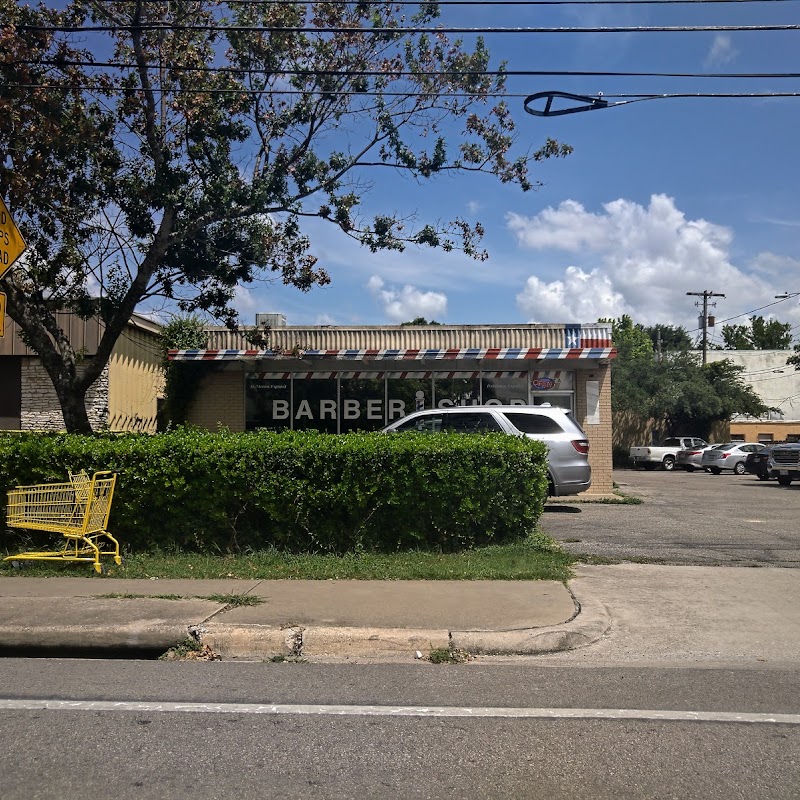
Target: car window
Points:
(725, 447)
(428, 424)
(471, 422)
(533, 423)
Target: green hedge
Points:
(297, 491)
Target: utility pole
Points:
(705, 295)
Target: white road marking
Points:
(400, 711)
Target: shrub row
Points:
(297, 491)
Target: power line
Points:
(359, 73)
(399, 31)
(397, 94)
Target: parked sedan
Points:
(758, 464)
(729, 456)
(691, 458)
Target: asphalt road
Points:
(686, 518)
(145, 744)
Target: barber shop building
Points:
(359, 378)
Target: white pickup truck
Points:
(663, 455)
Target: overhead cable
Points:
(600, 101)
(335, 92)
(361, 73)
(399, 31)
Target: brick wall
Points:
(219, 402)
(41, 410)
(600, 432)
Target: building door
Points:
(10, 392)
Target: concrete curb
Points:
(134, 636)
(590, 622)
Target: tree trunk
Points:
(73, 408)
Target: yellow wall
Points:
(136, 381)
(780, 431)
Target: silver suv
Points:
(568, 447)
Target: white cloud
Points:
(579, 297)
(402, 305)
(248, 305)
(637, 260)
(722, 51)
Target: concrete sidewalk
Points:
(313, 619)
(629, 613)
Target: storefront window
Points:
(267, 403)
(314, 405)
(553, 399)
(406, 395)
(364, 403)
(456, 391)
(505, 390)
(361, 404)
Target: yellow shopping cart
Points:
(78, 509)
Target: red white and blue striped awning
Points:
(465, 353)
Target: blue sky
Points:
(658, 199)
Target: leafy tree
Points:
(419, 321)
(672, 337)
(193, 163)
(676, 390)
(761, 334)
(181, 378)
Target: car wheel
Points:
(668, 463)
(763, 477)
(739, 468)
(784, 480)
(689, 469)
(714, 470)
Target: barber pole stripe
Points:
(490, 353)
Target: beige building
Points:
(777, 384)
(124, 398)
(349, 378)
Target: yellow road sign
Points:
(12, 245)
(2, 314)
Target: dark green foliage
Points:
(181, 378)
(761, 334)
(299, 491)
(673, 388)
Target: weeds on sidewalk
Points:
(449, 655)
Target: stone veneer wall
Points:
(41, 410)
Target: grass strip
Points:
(535, 558)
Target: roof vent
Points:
(271, 320)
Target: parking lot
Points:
(686, 518)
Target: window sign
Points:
(340, 403)
(267, 403)
(453, 391)
(500, 390)
(406, 395)
(314, 405)
(556, 380)
(593, 402)
(361, 404)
